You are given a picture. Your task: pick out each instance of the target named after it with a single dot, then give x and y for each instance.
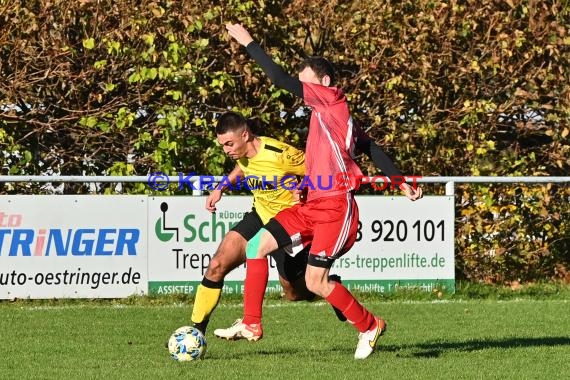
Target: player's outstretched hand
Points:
(212, 199)
(411, 193)
(240, 34)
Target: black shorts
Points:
(290, 268)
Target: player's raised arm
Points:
(275, 72)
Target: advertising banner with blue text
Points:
(68, 246)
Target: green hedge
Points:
(446, 87)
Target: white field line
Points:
(278, 304)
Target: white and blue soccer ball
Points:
(187, 343)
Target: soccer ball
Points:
(187, 343)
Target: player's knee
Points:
(260, 245)
(217, 269)
(314, 285)
(253, 244)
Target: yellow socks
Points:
(206, 300)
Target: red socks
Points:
(257, 273)
(356, 314)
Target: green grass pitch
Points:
(449, 339)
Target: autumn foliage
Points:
(468, 88)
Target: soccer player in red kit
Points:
(328, 220)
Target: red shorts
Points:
(329, 224)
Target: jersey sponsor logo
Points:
(254, 183)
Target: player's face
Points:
(234, 143)
(307, 75)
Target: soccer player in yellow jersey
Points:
(279, 163)
(276, 165)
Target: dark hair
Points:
(230, 121)
(321, 67)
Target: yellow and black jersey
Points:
(271, 175)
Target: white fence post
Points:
(450, 188)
